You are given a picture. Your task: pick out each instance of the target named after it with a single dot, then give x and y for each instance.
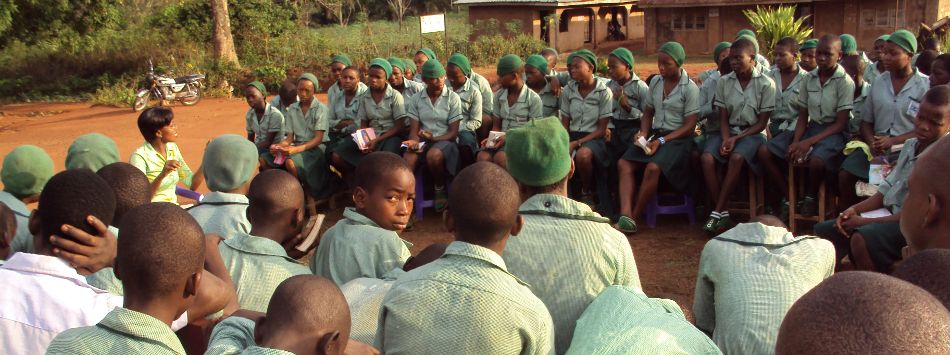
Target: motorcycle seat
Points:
(188, 78)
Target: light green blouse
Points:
(745, 105)
(527, 107)
(436, 117)
(825, 101)
(586, 112)
(383, 115)
(636, 92)
(471, 100)
(786, 101)
(670, 112)
(339, 110)
(303, 125)
(273, 121)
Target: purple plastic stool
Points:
(420, 202)
(672, 204)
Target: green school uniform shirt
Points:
(786, 100)
(670, 113)
(871, 73)
(749, 277)
(272, 122)
(706, 74)
(333, 91)
(365, 298)
(235, 335)
(276, 103)
(551, 103)
(338, 110)
(357, 247)
(437, 117)
(894, 114)
(122, 331)
(412, 87)
(636, 92)
(105, 279)
(825, 101)
(222, 213)
(150, 162)
(744, 106)
(303, 125)
(860, 103)
(623, 320)
(894, 187)
(762, 63)
(383, 115)
(466, 302)
(707, 110)
(471, 100)
(257, 265)
(581, 253)
(23, 239)
(527, 107)
(586, 112)
(487, 95)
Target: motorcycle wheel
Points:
(189, 101)
(141, 100)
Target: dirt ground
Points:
(667, 257)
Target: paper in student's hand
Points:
(878, 213)
(644, 144)
(876, 174)
(313, 230)
(863, 189)
(362, 137)
(493, 138)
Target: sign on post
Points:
(433, 23)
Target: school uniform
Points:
(235, 335)
(623, 320)
(279, 105)
(471, 101)
(151, 162)
(122, 331)
(436, 118)
(785, 116)
(339, 110)
(484, 88)
(381, 117)
(222, 213)
(105, 279)
(527, 106)
(823, 103)
(890, 114)
(706, 74)
(669, 115)
(311, 164)
(271, 122)
(582, 256)
(466, 302)
(762, 63)
(860, 103)
(708, 120)
(749, 277)
(550, 103)
(257, 266)
(411, 87)
(627, 123)
(871, 73)
(365, 296)
(586, 113)
(357, 247)
(744, 107)
(23, 239)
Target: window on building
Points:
(883, 18)
(588, 30)
(689, 20)
(806, 10)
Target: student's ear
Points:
(191, 286)
(933, 211)
(297, 219)
(571, 173)
(448, 221)
(330, 343)
(359, 197)
(519, 223)
(33, 224)
(259, 330)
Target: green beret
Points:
(229, 161)
(883, 38)
(538, 62)
(461, 61)
(549, 49)
(342, 59)
(311, 78)
(398, 63)
(675, 51)
(849, 45)
(624, 55)
(539, 152)
(91, 151)
(904, 39)
(755, 42)
(745, 32)
(718, 50)
(382, 64)
(809, 44)
(586, 55)
(508, 64)
(428, 52)
(433, 70)
(26, 170)
(259, 86)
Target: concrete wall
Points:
(528, 16)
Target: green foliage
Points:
(33, 21)
(774, 23)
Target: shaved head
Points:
(483, 203)
(930, 270)
(377, 166)
(924, 221)
(7, 229)
(130, 185)
(862, 313)
(307, 306)
(768, 220)
(273, 192)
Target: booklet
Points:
(863, 189)
(878, 213)
(313, 230)
(493, 138)
(643, 144)
(362, 137)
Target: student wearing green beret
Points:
(586, 109)
(229, 164)
(91, 151)
(26, 169)
(669, 122)
(550, 56)
(535, 69)
(745, 99)
(286, 96)
(264, 123)
(630, 95)
(457, 72)
(876, 68)
(159, 157)
(760, 59)
(808, 60)
(708, 124)
(436, 116)
(307, 124)
(825, 102)
(419, 58)
(337, 64)
(515, 105)
(854, 66)
(398, 80)
(788, 76)
(720, 53)
(849, 45)
(888, 115)
(383, 109)
(341, 116)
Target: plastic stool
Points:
(420, 202)
(672, 204)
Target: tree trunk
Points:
(221, 36)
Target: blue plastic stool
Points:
(420, 202)
(672, 204)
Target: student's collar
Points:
(257, 350)
(522, 95)
(558, 206)
(46, 265)
(219, 197)
(257, 245)
(480, 253)
(684, 78)
(19, 208)
(143, 327)
(757, 234)
(865, 90)
(393, 274)
(465, 87)
(350, 213)
(839, 72)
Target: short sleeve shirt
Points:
(257, 266)
(586, 112)
(670, 112)
(471, 100)
(825, 101)
(550, 102)
(122, 331)
(382, 116)
(412, 87)
(23, 240)
(860, 103)
(893, 114)
(304, 125)
(485, 89)
(222, 213)
(150, 162)
(745, 105)
(786, 100)
(272, 122)
(871, 73)
(894, 187)
(235, 335)
(435, 117)
(339, 110)
(357, 247)
(707, 110)
(636, 92)
(527, 107)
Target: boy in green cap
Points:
(720, 53)
(808, 61)
(467, 302)
(25, 171)
(515, 105)
(550, 56)
(159, 157)
(560, 231)
(421, 57)
(229, 164)
(457, 73)
(303, 147)
(401, 81)
(264, 123)
(630, 95)
(366, 243)
(535, 68)
(788, 76)
(91, 151)
(876, 68)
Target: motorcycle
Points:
(184, 89)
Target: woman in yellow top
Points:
(159, 157)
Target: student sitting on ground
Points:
(924, 222)
(263, 122)
(159, 157)
(865, 313)
(748, 278)
(515, 105)
(306, 316)
(229, 163)
(560, 231)
(160, 261)
(91, 151)
(26, 169)
(928, 270)
(875, 243)
(466, 302)
(7, 231)
(366, 243)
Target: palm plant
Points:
(774, 23)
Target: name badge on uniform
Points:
(913, 108)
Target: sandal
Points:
(626, 225)
(441, 200)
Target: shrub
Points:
(774, 23)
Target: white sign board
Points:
(433, 23)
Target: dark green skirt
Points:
(598, 147)
(314, 173)
(351, 153)
(857, 163)
(622, 137)
(672, 158)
